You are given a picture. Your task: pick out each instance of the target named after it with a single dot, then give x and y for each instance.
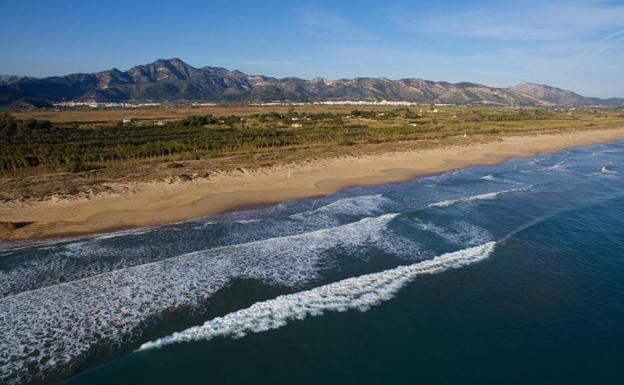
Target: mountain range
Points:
(173, 80)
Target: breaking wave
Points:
(479, 197)
(560, 166)
(120, 250)
(53, 327)
(458, 232)
(354, 293)
(359, 205)
(62, 304)
(493, 178)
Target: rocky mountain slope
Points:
(174, 80)
(559, 97)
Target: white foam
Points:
(123, 233)
(245, 221)
(459, 232)
(359, 205)
(355, 206)
(88, 257)
(71, 261)
(606, 170)
(558, 167)
(354, 293)
(479, 197)
(493, 178)
(43, 330)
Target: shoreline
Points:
(159, 203)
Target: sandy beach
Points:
(158, 203)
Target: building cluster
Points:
(103, 104)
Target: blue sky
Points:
(578, 45)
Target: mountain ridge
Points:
(174, 80)
(559, 96)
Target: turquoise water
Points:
(505, 274)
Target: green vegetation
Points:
(39, 145)
(10, 127)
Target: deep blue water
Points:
(505, 274)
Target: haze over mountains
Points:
(175, 81)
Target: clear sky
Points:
(577, 45)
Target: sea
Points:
(505, 274)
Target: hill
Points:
(175, 80)
(559, 97)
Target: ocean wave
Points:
(105, 253)
(68, 262)
(125, 233)
(614, 151)
(353, 293)
(355, 206)
(606, 170)
(359, 205)
(493, 178)
(50, 328)
(480, 197)
(246, 221)
(560, 166)
(458, 232)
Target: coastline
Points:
(152, 204)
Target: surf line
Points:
(480, 197)
(356, 293)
